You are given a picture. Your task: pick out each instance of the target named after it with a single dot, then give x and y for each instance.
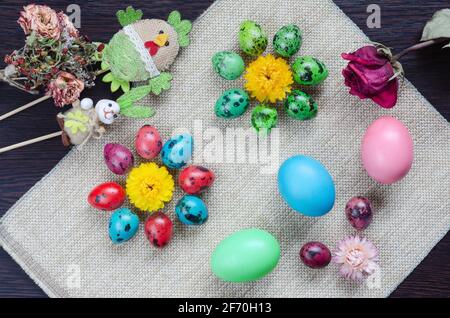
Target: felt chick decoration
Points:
(142, 52)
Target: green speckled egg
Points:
(252, 38)
(288, 40)
(264, 118)
(300, 105)
(228, 65)
(232, 104)
(309, 71)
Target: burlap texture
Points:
(52, 232)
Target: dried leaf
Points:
(438, 26)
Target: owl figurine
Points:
(143, 51)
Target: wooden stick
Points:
(31, 141)
(21, 108)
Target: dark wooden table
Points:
(401, 25)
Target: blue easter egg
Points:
(191, 210)
(306, 186)
(177, 151)
(123, 225)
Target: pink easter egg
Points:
(387, 150)
(148, 142)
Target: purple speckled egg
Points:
(118, 158)
(359, 212)
(315, 255)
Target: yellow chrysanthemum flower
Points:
(269, 79)
(149, 187)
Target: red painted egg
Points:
(196, 179)
(158, 229)
(148, 142)
(315, 255)
(107, 196)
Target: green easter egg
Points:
(300, 105)
(252, 38)
(264, 118)
(309, 71)
(288, 40)
(232, 103)
(245, 256)
(228, 65)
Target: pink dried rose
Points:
(67, 25)
(65, 89)
(370, 74)
(40, 19)
(357, 257)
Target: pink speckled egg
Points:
(148, 142)
(387, 150)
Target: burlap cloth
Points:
(54, 235)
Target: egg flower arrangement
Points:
(142, 51)
(373, 71)
(268, 79)
(149, 187)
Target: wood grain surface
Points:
(401, 25)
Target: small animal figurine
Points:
(142, 52)
(84, 121)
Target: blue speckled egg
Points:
(306, 186)
(191, 210)
(177, 151)
(123, 225)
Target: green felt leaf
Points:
(160, 83)
(77, 122)
(128, 99)
(138, 112)
(183, 40)
(125, 86)
(108, 78)
(184, 27)
(174, 18)
(438, 26)
(115, 85)
(129, 16)
(104, 66)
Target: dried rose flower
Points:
(370, 74)
(65, 89)
(40, 19)
(67, 25)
